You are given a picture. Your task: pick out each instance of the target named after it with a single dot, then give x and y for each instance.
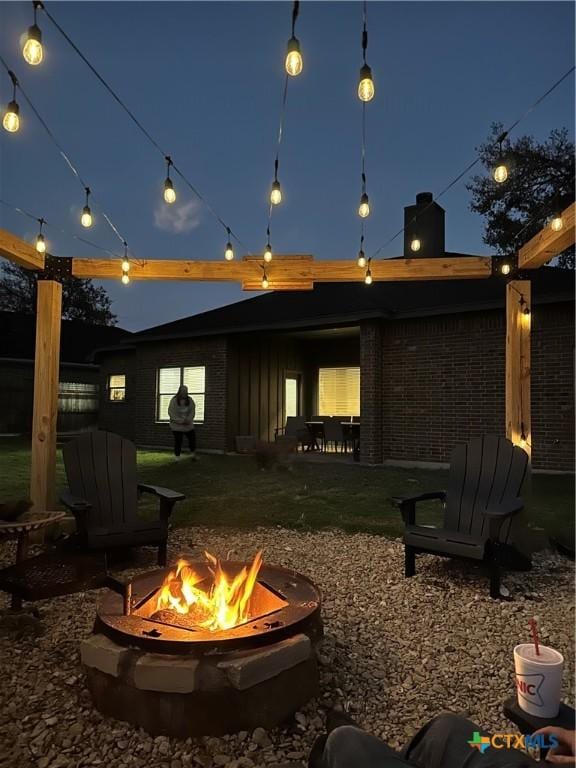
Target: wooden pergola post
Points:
(46, 374)
(518, 322)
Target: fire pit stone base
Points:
(211, 694)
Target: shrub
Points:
(276, 455)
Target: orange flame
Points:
(224, 606)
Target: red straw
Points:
(534, 628)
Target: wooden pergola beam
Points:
(518, 323)
(46, 376)
(287, 271)
(547, 244)
(19, 251)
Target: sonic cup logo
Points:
(528, 687)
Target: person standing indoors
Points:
(181, 412)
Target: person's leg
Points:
(191, 435)
(444, 743)
(177, 443)
(350, 747)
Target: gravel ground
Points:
(396, 652)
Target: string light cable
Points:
(86, 216)
(293, 66)
(177, 170)
(43, 223)
(471, 165)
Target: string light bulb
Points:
(415, 244)
(364, 207)
(368, 277)
(276, 193)
(11, 119)
(32, 49)
(523, 439)
(169, 191)
(125, 260)
(366, 88)
(294, 63)
(505, 268)
(361, 259)
(556, 223)
(229, 252)
(86, 217)
(40, 240)
(500, 172)
(268, 253)
(265, 282)
(125, 278)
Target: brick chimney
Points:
(424, 222)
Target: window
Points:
(117, 387)
(291, 396)
(169, 379)
(339, 392)
(77, 397)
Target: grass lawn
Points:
(232, 491)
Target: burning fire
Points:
(223, 606)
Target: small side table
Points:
(527, 723)
(21, 529)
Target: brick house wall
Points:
(210, 352)
(443, 381)
(372, 392)
(118, 416)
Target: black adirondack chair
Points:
(484, 493)
(103, 493)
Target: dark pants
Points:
(179, 436)
(442, 743)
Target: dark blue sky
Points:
(206, 79)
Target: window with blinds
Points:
(339, 392)
(170, 379)
(117, 387)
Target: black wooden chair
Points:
(295, 430)
(484, 487)
(103, 493)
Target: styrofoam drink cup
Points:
(538, 679)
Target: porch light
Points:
(268, 253)
(415, 244)
(276, 193)
(86, 217)
(294, 61)
(364, 207)
(11, 119)
(361, 259)
(365, 84)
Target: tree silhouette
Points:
(541, 180)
